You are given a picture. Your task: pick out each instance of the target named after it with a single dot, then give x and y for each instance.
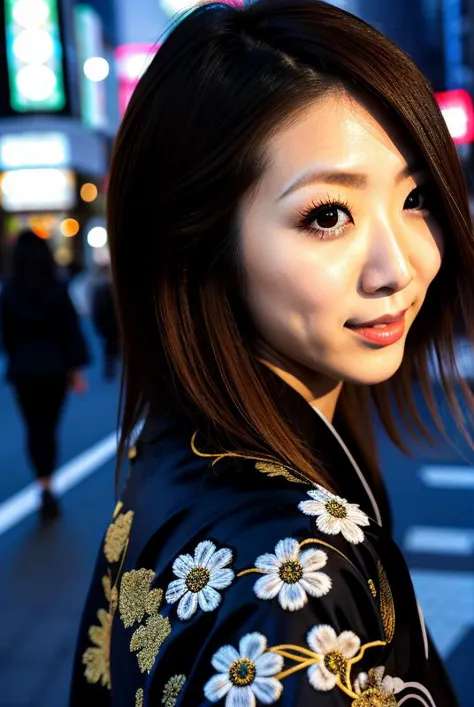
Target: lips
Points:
(385, 319)
(383, 331)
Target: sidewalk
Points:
(44, 576)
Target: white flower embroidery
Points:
(292, 575)
(245, 675)
(335, 515)
(376, 678)
(333, 652)
(199, 578)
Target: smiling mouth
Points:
(382, 331)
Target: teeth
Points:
(379, 326)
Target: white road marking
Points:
(447, 599)
(447, 477)
(439, 541)
(16, 508)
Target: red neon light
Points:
(131, 60)
(458, 111)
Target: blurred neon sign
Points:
(172, 7)
(132, 61)
(35, 55)
(458, 112)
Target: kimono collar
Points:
(331, 443)
(341, 461)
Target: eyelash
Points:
(308, 216)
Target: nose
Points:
(388, 268)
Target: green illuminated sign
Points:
(34, 54)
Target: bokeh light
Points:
(69, 227)
(97, 237)
(36, 82)
(96, 68)
(89, 192)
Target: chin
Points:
(376, 367)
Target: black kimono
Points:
(231, 580)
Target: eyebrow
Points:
(354, 180)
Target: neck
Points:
(317, 389)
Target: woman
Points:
(45, 351)
(290, 237)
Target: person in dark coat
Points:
(45, 351)
(105, 322)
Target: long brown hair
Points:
(190, 146)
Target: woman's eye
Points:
(328, 220)
(329, 217)
(416, 200)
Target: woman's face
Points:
(338, 244)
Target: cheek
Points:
(429, 253)
(294, 277)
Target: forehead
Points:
(340, 132)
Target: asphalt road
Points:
(44, 572)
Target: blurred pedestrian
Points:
(105, 322)
(45, 351)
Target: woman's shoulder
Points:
(182, 479)
(178, 486)
(221, 567)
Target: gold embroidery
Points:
(132, 452)
(117, 535)
(172, 689)
(372, 588)
(111, 593)
(139, 698)
(373, 697)
(271, 469)
(387, 606)
(117, 509)
(136, 598)
(336, 663)
(148, 639)
(316, 541)
(305, 658)
(97, 657)
(268, 462)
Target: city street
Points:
(44, 572)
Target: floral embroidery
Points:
(254, 672)
(334, 652)
(291, 575)
(374, 698)
(271, 469)
(267, 466)
(199, 579)
(117, 509)
(117, 535)
(136, 598)
(335, 515)
(172, 690)
(245, 675)
(97, 657)
(387, 606)
(148, 639)
(139, 697)
(377, 680)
